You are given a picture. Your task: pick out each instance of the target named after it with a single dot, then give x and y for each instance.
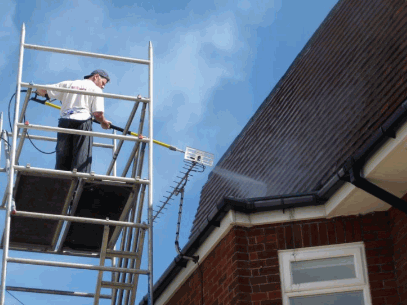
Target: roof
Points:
(344, 84)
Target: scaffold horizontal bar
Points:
(57, 292)
(107, 95)
(79, 174)
(121, 254)
(74, 265)
(83, 132)
(89, 54)
(49, 139)
(116, 285)
(80, 219)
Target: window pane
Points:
(327, 269)
(342, 298)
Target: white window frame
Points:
(360, 283)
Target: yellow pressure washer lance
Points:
(190, 153)
(45, 102)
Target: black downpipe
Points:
(354, 165)
(376, 191)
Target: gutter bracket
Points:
(376, 191)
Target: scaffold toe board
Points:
(98, 200)
(41, 194)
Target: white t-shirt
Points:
(78, 106)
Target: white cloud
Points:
(221, 35)
(259, 12)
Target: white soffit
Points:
(387, 168)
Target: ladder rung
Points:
(121, 254)
(117, 285)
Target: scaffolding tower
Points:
(81, 214)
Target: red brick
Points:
(379, 260)
(259, 296)
(369, 237)
(273, 261)
(376, 244)
(379, 301)
(384, 292)
(269, 287)
(272, 302)
(269, 230)
(349, 231)
(297, 235)
(256, 248)
(254, 232)
(289, 238)
(383, 234)
(240, 256)
(270, 270)
(389, 284)
(387, 267)
(272, 239)
(275, 278)
(331, 233)
(258, 280)
(372, 228)
(373, 269)
(251, 240)
(323, 234)
(393, 300)
(281, 238)
(306, 235)
(267, 253)
(376, 285)
(273, 295)
(340, 231)
(314, 235)
(381, 276)
(260, 239)
(357, 230)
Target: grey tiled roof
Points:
(344, 84)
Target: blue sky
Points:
(214, 64)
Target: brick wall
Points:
(224, 274)
(243, 268)
(399, 235)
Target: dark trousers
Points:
(74, 151)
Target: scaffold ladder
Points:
(117, 234)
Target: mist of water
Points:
(246, 187)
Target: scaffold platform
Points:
(65, 196)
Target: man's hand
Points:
(105, 124)
(102, 120)
(41, 92)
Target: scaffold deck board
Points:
(98, 200)
(41, 194)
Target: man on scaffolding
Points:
(75, 151)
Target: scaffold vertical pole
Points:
(1, 138)
(113, 151)
(6, 240)
(150, 173)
